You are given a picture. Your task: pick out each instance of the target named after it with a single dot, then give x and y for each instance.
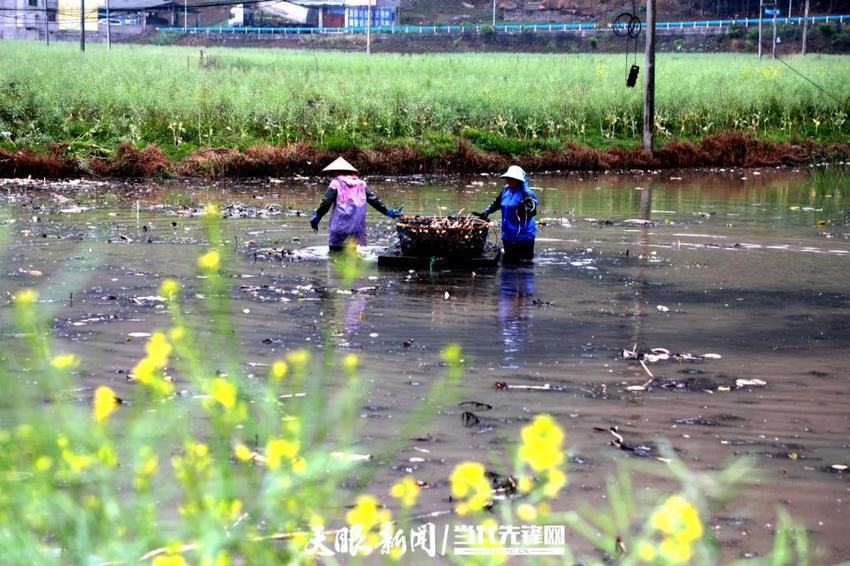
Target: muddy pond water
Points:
(752, 266)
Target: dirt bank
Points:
(730, 149)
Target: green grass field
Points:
(507, 103)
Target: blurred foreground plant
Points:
(205, 463)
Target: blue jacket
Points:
(518, 222)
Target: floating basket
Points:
(442, 236)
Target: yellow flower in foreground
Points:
(678, 518)
(26, 297)
(65, 361)
(646, 552)
(298, 357)
(223, 392)
(542, 444)
(158, 349)
(675, 550)
(243, 453)
(169, 560)
(407, 490)
(526, 512)
(469, 481)
(277, 449)
(279, 369)
(105, 403)
(212, 210)
(169, 289)
(210, 261)
(452, 354)
(557, 480)
(349, 363)
(367, 514)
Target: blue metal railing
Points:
(498, 28)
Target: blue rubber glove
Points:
(314, 222)
(481, 215)
(395, 212)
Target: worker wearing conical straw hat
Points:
(518, 205)
(346, 198)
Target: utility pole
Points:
(649, 95)
(108, 29)
(773, 47)
(369, 27)
(761, 13)
(805, 26)
(82, 25)
(494, 14)
(185, 15)
(789, 8)
(46, 25)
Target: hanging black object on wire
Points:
(628, 25)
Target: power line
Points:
(805, 78)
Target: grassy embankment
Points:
(511, 106)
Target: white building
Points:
(27, 19)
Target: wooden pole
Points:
(82, 25)
(761, 13)
(649, 96)
(805, 26)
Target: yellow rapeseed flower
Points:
(223, 392)
(144, 371)
(243, 453)
(65, 361)
(469, 481)
(158, 350)
(367, 514)
(678, 518)
(43, 463)
(278, 448)
(26, 297)
(279, 369)
(646, 552)
(298, 357)
(212, 210)
(452, 354)
(676, 550)
(406, 490)
(210, 261)
(105, 403)
(557, 480)
(169, 289)
(349, 363)
(526, 512)
(177, 333)
(542, 444)
(169, 560)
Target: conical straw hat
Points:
(514, 172)
(340, 165)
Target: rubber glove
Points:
(314, 222)
(481, 215)
(395, 212)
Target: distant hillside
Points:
(480, 11)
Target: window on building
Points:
(33, 3)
